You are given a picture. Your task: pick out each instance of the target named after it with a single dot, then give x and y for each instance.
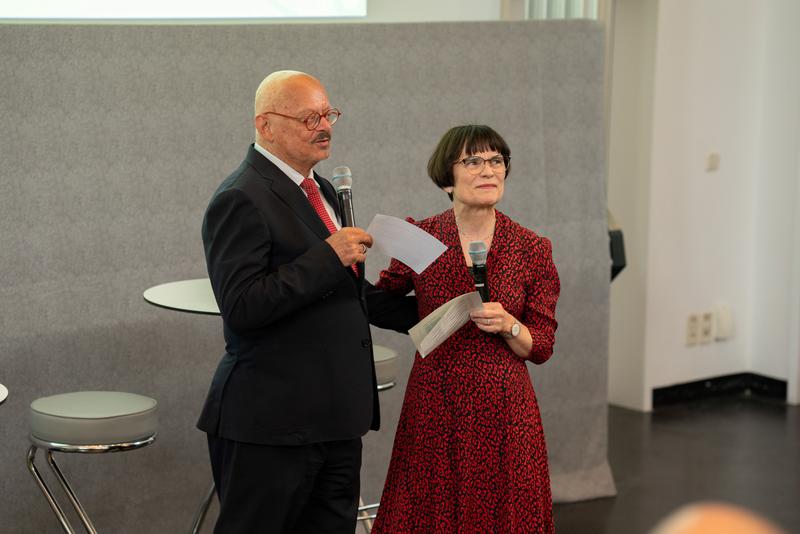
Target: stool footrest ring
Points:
(49, 448)
(92, 448)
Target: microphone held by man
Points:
(343, 183)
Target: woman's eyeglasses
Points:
(475, 164)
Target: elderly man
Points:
(295, 390)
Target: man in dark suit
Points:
(296, 388)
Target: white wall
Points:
(725, 81)
(776, 197)
(629, 192)
(701, 227)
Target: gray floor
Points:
(742, 450)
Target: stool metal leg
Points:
(87, 523)
(46, 491)
(365, 515)
(201, 513)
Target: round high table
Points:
(196, 296)
(189, 296)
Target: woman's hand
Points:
(493, 318)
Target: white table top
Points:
(192, 296)
(3, 393)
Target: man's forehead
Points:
(308, 96)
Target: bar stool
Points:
(86, 422)
(385, 366)
(385, 372)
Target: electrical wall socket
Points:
(692, 330)
(706, 328)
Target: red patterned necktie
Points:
(311, 189)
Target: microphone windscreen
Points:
(342, 179)
(478, 252)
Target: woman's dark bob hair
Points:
(470, 139)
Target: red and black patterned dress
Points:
(469, 454)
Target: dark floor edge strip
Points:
(736, 384)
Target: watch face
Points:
(515, 329)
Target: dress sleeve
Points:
(396, 279)
(540, 302)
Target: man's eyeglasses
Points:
(313, 119)
(475, 164)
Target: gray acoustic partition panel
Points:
(113, 139)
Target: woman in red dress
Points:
(469, 454)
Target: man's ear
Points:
(263, 126)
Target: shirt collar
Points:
(295, 176)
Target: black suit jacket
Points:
(298, 365)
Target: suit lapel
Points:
(288, 192)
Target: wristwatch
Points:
(513, 333)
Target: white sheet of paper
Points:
(402, 240)
(440, 324)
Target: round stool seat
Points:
(93, 418)
(385, 365)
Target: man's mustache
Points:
(324, 136)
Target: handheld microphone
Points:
(343, 183)
(478, 253)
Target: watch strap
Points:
(515, 328)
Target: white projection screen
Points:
(178, 9)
